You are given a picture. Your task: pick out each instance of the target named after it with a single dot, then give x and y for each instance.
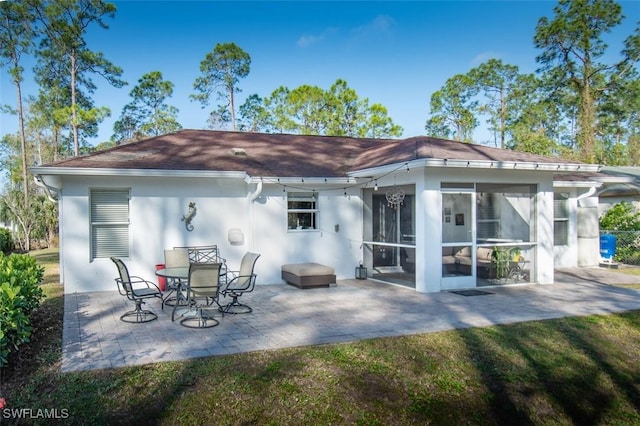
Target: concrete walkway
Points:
(285, 316)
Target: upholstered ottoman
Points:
(306, 275)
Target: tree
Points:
(346, 110)
(278, 106)
(221, 70)
(147, 114)
(572, 47)
(378, 124)
(16, 39)
(308, 109)
(219, 119)
(338, 111)
(64, 22)
(254, 116)
(452, 109)
(497, 82)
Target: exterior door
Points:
(458, 235)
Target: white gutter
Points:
(478, 164)
(302, 180)
(90, 171)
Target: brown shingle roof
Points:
(283, 155)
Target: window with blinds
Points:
(109, 218)
(560, 220)
(302, 210)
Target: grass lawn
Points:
(570, 371)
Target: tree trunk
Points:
(233, 110)
(23, 142)
(74, 114)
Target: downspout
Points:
(587, 194)
(252, 198)
(48, 189)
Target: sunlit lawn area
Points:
(569, 371)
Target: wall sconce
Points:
(188, 217)
(235, 236)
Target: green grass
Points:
(629, 271)
(569, 371)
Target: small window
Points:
(302, 210)
(109, 216)
(560, 219)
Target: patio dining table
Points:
(181, 275)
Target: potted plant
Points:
(500, 258)
(516, 254)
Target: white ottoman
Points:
(307, 275)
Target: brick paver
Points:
(285, 316)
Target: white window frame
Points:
(559, 198)
(109, 219)
(311, 197)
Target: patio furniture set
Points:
(196, 279)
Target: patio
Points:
(285, 316)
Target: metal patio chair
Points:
(207, 254)
(137, 290)
(202, 296)
(239, 283)
(174, 258)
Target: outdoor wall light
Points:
(235, 236)
(188, 217)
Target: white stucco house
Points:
(422, 212)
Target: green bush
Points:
(6, 241)
(20, 294)
(620, 217)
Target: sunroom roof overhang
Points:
(477, 164)
(292, 180)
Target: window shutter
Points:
(109, 223)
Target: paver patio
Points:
(285, 316)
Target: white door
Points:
(458, 235)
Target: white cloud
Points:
(379, 25)
(310, 39)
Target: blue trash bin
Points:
(607, 247)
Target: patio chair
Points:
(137, 290)
(202, 254)
(202, 296)
(174, 258)
(240, 282)
(206, 254)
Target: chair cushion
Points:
(308, 269)
(484, 253)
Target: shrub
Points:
(6, 241)
(620, 217)
(20, 294)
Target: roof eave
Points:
(90, 171)
(478, 164)
(293, 180)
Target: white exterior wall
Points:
(155, 213)
(156, 210)
(337, 241)
(158, 204)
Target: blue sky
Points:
(393, 53)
